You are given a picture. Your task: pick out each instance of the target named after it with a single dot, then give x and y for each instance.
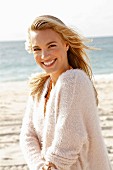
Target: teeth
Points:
(49, 63)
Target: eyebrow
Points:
(51, 42)
(46, 44)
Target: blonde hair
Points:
(77, 56)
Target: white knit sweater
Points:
(69, 135)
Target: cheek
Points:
(37, 58)
(56, 52)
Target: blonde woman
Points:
(60, 129)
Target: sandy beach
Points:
(13, 98)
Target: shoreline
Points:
(107, 76)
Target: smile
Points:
(49, 63)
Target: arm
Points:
(29, 141)
(70, 135)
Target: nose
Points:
(44, 54)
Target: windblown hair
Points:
(77, 56)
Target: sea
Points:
(16, 64)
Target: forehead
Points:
(44, 36)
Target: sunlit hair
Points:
(77, 56)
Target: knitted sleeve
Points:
(76, 94)
(29, 141)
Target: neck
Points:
(54, 80)
(54, 77)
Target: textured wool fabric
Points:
(69, 135)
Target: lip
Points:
(49, 63)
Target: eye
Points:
(52, 45)
(36, 49)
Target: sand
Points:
(13, 98)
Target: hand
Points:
(48, 166)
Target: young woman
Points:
(61, 128)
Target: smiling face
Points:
(50, 51)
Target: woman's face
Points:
(50, 51)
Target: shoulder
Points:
(74, 76)
(75, 81)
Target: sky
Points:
(88, 17)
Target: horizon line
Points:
(101, 36)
